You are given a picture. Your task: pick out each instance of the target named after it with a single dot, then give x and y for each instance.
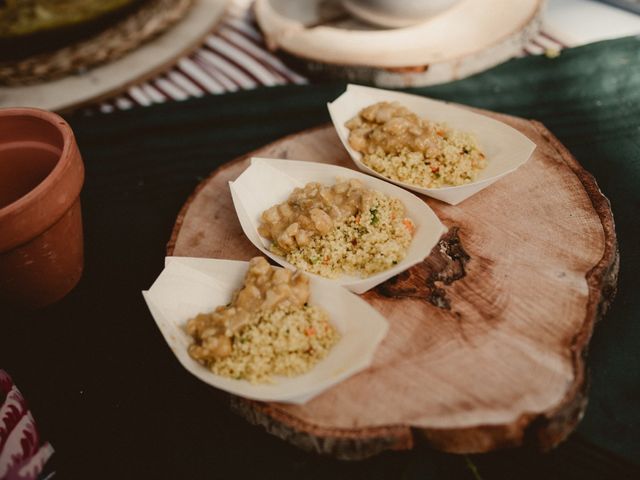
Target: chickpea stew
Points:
(401, 146)
(338, 229)
(267, 329)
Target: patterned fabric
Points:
(22, 456)
(235, 57)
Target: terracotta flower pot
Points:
(41, 175)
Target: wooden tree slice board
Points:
(473, 35)
(108, 80)
(487, 336)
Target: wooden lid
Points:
(471, 36)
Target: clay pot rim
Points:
(64, 159)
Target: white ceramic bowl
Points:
(396, 13)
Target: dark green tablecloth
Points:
(109, 394)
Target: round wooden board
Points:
(322, 38)
(108, 80)
(487, 336)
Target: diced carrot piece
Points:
(408, 224)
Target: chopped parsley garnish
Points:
(374, 215)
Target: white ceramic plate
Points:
(268, 182)
(506, 149)
(188, 286)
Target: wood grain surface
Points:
(487, 336)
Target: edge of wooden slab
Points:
(541, 430)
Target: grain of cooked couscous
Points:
(401, 146)
(267, 329)
(340, 229)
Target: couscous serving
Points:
(401, 146)
(340, 229)
(267, 329)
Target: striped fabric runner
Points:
(235, 57)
